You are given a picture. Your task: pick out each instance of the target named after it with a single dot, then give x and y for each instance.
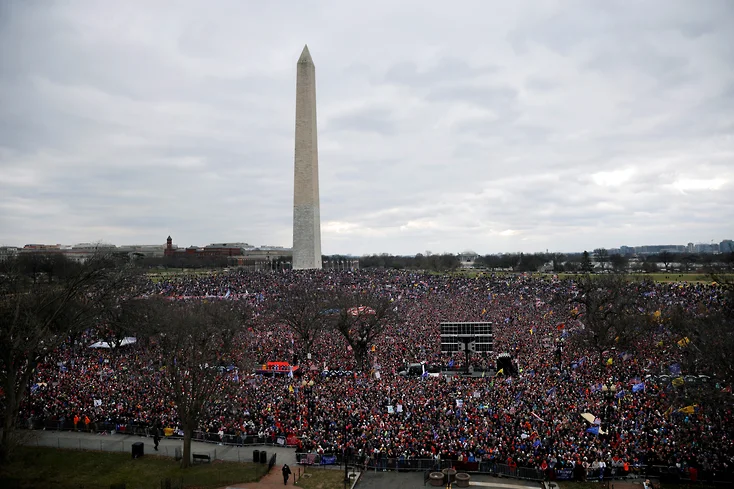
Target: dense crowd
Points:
(532, 418)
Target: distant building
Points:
(726, 246)
(218, 249)
(627, 250)
(654, 249)
(467, 259)
(8, 252)
(242, 254)
(690, 248)
(42, 248)
(706, 247)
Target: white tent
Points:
(103, 344)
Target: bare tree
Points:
(610, 313)
(586, 265)
(666, 257)
(36, 316)
(362, 317)
(192, 343)
(706, 335)
(619, 263)
(122, 315)
(601, 255)
(303, 308)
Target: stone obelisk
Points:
(306, 214)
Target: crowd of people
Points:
(530, 417)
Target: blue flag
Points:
(594, 430)
(638, 387)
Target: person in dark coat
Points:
(286, 474)
(156, 438)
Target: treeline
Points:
(597, 260)
(445, 262)
(49, 264)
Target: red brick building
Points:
(217, 249)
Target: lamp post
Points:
(609, 392)
(343, 425)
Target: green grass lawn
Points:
(50, 467)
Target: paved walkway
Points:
(272, 480)
(167, 447)
(414, 480)
(275, 479)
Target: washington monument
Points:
(306, 214)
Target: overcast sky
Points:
(494, 126)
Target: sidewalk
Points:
(275, 479)
(272, 480)
(167, 447)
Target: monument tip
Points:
(305, 56)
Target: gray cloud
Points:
(446, 69)
(524, 126)
(374, 120)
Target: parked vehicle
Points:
(420, 370)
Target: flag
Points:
(500, 371)
(593, 430)
(688, 409)
(638, 387)
(674, 369)
(290, 372)
(678, 381)
(610, 361)
(226, 296)
(684, 342)
(290, 388)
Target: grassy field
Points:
(159, 274)
(657, 277)
(50, 467)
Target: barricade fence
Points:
(665, 474)
(139, 429)
(115, 444)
